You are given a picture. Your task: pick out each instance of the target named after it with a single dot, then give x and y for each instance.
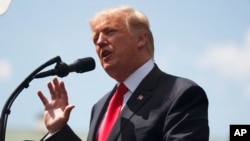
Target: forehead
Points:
(105, 22)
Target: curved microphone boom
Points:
(62, 69)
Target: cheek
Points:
(126, 54)
(128, 48)
(97, 49)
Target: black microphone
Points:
(62, 69)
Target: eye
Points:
(110, 31)
(95, 38)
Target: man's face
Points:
(116, 47)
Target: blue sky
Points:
(206, 41)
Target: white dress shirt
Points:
(135, 79)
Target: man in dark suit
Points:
(155, 106)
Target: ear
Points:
(142, 40)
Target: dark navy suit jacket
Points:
(162, 108)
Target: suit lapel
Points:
(140, 96)
(99, 112)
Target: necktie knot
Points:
(121, 89)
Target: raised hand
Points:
(57, 110)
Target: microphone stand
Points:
(25, 84)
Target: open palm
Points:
(57, 110)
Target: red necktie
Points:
(113, 111)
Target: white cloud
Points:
(228, 59)
(5, 70)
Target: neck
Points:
(125, 73)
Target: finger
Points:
(63, 91)
(51, 90)
(43, 98)
(57, 90)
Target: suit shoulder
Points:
(177, 80)
(177, 84)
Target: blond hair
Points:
(136, 22)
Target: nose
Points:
(101, 41)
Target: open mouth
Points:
(105, 54)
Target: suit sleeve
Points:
(187, 119)
(65, 134)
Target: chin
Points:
(106, 67)
(109, 69)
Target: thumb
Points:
(68, 110)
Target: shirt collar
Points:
(136, 77)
